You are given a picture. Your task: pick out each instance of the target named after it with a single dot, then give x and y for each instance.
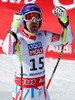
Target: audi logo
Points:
(29, 82)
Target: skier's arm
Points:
(10, 40)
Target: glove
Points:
(17, 19)
(61, 13)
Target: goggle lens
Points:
(29, 16)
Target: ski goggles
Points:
(32, 15)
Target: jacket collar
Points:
(28, 36)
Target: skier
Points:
(29, 57)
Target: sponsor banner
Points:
(68, 52)
(50, 21)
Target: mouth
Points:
(34, 26)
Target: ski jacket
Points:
(33, 50)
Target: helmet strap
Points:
(25, 27)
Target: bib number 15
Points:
(41, 63)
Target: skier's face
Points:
(32, 21)
(33, 25)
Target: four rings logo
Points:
(29, 82)
(33, 81)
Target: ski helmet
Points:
(29, 8)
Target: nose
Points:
(34, 19)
